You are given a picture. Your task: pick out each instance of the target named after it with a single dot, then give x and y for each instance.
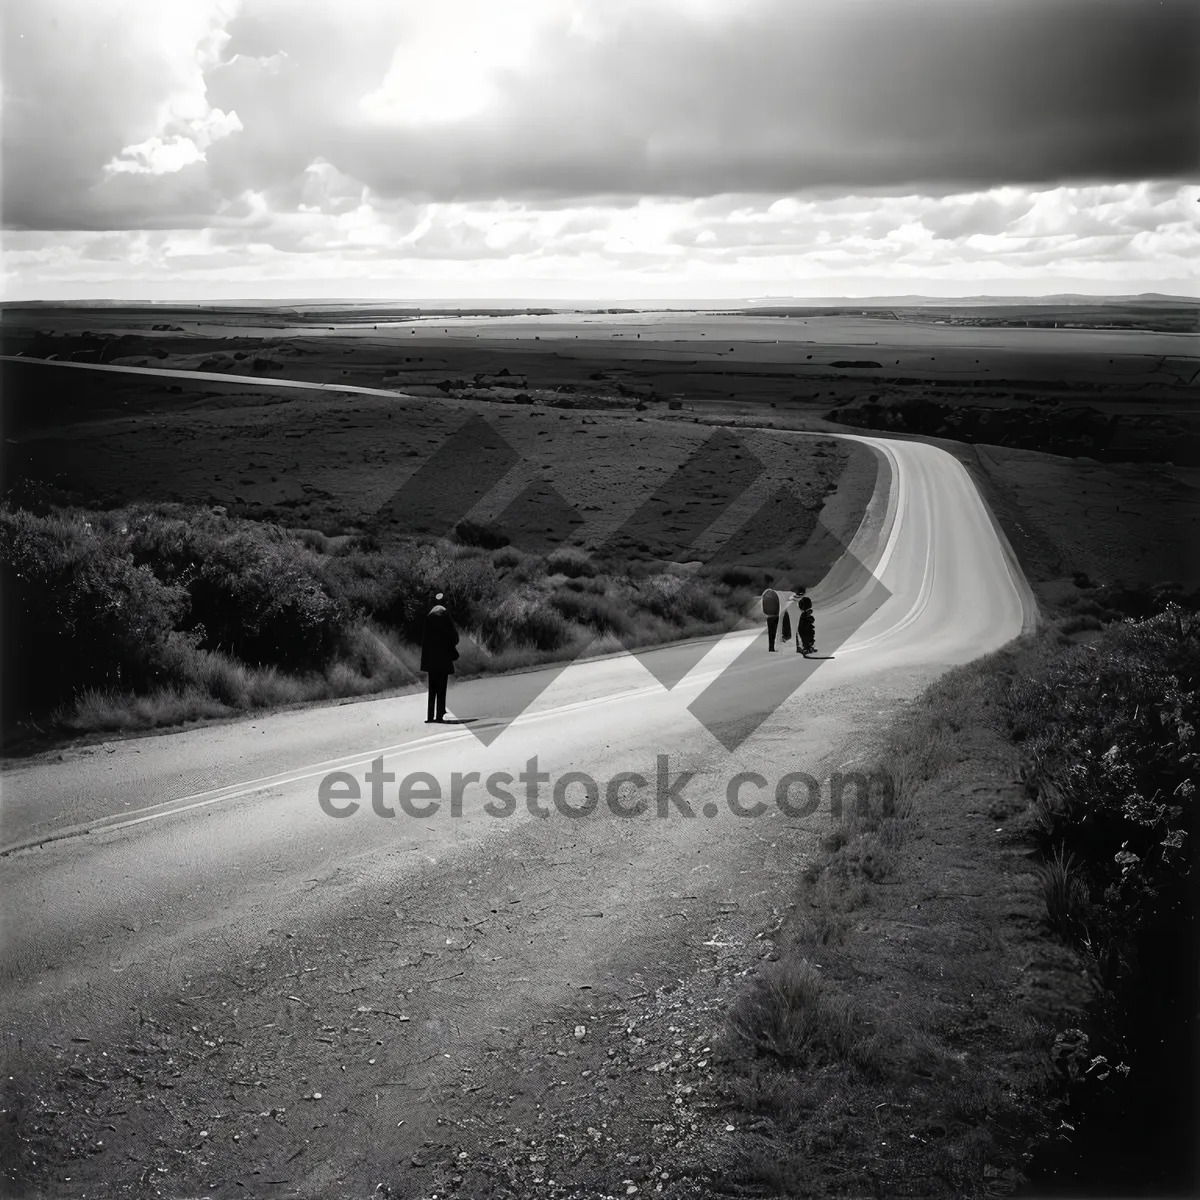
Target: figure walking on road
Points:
(792, 611)
(791, 617)
(439, 649)
(770, 607)
(806, 628)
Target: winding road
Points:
(140, 871)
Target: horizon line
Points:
(562, 302)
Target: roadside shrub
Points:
(868, 855)
(1109, 733)
(792, 1015)
(745, 577)
(678, 599)
(542, 629)
(95, 710)
(1080, 623)
(314, 539)
(367, 651)
(507, 557)
(522, 621)
(263, 602)
(597, 612)
(703, 606)
(78, 612)
(570, 561)
(1112, 726)
(470, 587)
(1065, 894)
(665, 596)
(398, 587)
(480, 533)
(376, 588)
(254, 590)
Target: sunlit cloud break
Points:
(573, 147)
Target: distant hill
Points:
(969, 301)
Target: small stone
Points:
(580, 1032)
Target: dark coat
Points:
(770, 602)
(439, 643)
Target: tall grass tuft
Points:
(1066, 895)
(790, 1014)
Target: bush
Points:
(792, 1015)
(1065, 894)
(480, 533)
(314, 539)
(1080, 623)
(570, 561)
(521, 620)
(740, 577)
(1112, 728)
(597, 612)
(507, 557)
(1109, 732)
(470, 587)
(78, 612)
(676, 598)
(251, 593)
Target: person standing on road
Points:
(806, 628)
(439, 649)
(791, 616)
(770, 607)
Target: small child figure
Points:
(806, 629)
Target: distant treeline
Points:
(1152, 318)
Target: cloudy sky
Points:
(642, 149)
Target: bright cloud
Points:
(168, 152)
(623, 144)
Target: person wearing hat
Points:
(439, 649)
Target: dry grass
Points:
(790, 1014)
(886, 1051)
(370, 660)
(1066, 896)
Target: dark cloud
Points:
(789, 96)
(651, 98)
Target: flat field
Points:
(1091, 436)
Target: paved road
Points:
(135, 868)
(215, 376)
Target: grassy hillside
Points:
(176, 551)
(987, 982)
